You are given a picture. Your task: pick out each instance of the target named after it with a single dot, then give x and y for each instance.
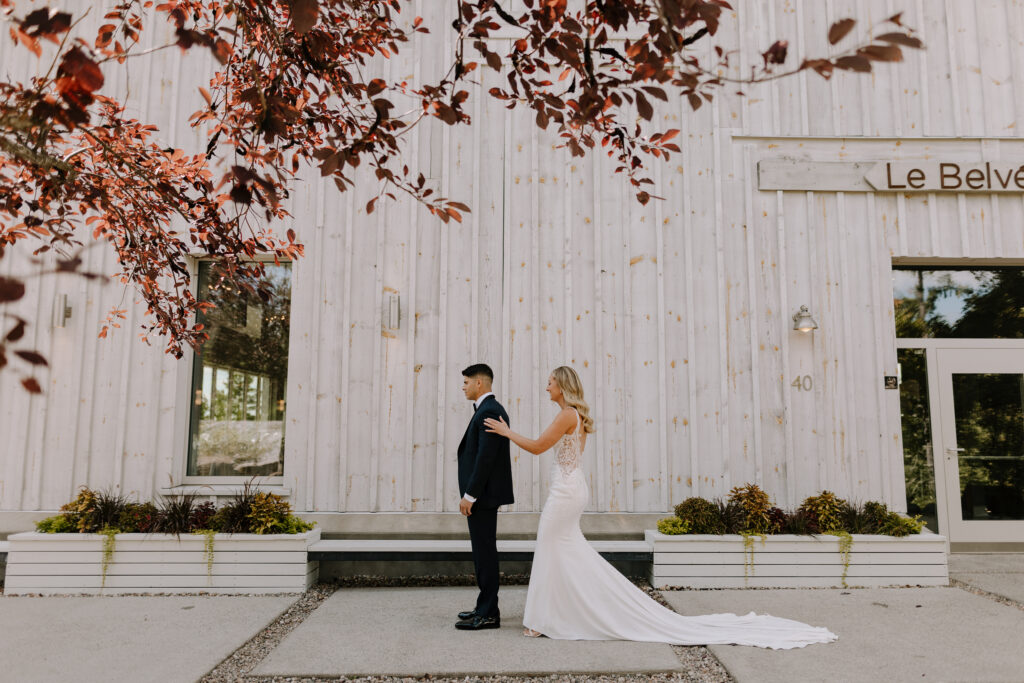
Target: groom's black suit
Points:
(485, 473)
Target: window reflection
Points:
(915, 420)
(239, 378)
(976, 304)
(989, 411)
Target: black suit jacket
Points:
(485, 467)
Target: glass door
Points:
(981, 443)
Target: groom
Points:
(485, 482)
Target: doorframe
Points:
(931, 347)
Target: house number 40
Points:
(803, 383)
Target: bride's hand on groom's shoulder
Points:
(498, 426)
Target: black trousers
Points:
(483, 535)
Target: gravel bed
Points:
(701, 666)
(963, 585)
(681, 677)
(245, 658)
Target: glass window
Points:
(989, 411)
(962, 303)
(918, 460)
(239, 378)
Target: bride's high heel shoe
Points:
(530, 633)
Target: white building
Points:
(678, 315)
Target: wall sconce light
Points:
(61, 310)
(802, 320)
(393, 311)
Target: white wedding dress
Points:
(575, 594)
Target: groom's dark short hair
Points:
(478, 370)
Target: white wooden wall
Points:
(677, 315)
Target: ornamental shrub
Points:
(827, 508)
(755, 504)
(58, 524)
(898, 525)
(748, 511)
(250, 511)
(673, 526)
(701, 515)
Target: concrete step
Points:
(455, 549)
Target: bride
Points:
(575, 594)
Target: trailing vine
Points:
(208, 548)
(108, 552)
(845, 548)
(748, 553)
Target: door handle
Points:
(950, 452)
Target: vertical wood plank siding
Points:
(677, 315)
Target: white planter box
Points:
(788, 561)
(160, 563)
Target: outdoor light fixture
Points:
(61, 310)
(393, 311)
(802, 320)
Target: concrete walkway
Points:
(998, 573)
(885, 634)
(111, 639)
(895, 634)
(411, 632)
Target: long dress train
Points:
(575, 594)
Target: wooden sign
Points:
(890, 176)
(946, 176)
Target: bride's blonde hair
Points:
(572, 390)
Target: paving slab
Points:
(885, 634)
(127, 638)
(411, 632)
(998, 573)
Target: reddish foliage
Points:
(289, 92)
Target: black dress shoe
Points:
(478, 623)
(463, 616)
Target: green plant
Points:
(176, 514)
(202, 514)
(673, 526)
(109, 534)
(78, 508)
(208, 549)
(755, 504)
(777, 519)
(827, 508)
(268, 512)
(58, 524)
(701, 515)
(898, 525)
(875, 516)
(733, 516)
(295, 525)
(748, 553)
(233, 516)
(801, 523)
(845, 548)
(141, 518)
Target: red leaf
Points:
(17, 332)
(901, 39)
(83, 69)
(644, 107)
(31, 385)
(304, 15)
(11, 289)
(854, 63)
(839, 30)
(882, 53)
(31, 357)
